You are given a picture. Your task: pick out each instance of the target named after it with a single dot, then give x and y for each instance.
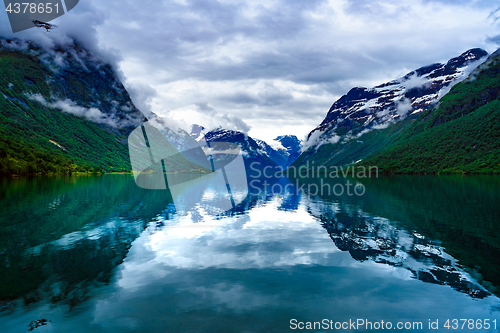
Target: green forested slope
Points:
(38, 139)
(345, 153)
(26, 127)
(461, 134)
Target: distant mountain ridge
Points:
(254, 151)
(290, 147)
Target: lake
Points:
(97, 253)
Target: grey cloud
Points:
(204, 107)
(239, 98)
(81, 26)
(142, 95)
(494, 40)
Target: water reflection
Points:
(61, 235)
(270, 259)
(373, 238)
(457, 213)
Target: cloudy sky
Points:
(270, 67)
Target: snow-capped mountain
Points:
(277, 154)
(283, 150)
(253, 151)
(363, 109)
(289, 147)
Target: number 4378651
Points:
(471, 324)
(32, 8)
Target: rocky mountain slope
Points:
(52, 120)
(345, 135)
(460, 135)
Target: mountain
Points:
(48, 99)
(254, 151)
(289, 147)
(283, 151)
(63, 110)
(460, 135)
(279, 156)
(351, 131)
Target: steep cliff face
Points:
(341, 137)
(62, 109)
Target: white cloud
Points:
(203, 115)
(403, 106)
(92, 114)
(415, 81)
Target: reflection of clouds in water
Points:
(264, 268)
(234, 296)
(265, 237)
(254, 272)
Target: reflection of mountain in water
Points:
(84, 229)
(71, 235)
(372, 238)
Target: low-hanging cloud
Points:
(92, 114)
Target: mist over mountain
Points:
(459, 135)
(63, 109)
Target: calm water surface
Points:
(98, 254)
